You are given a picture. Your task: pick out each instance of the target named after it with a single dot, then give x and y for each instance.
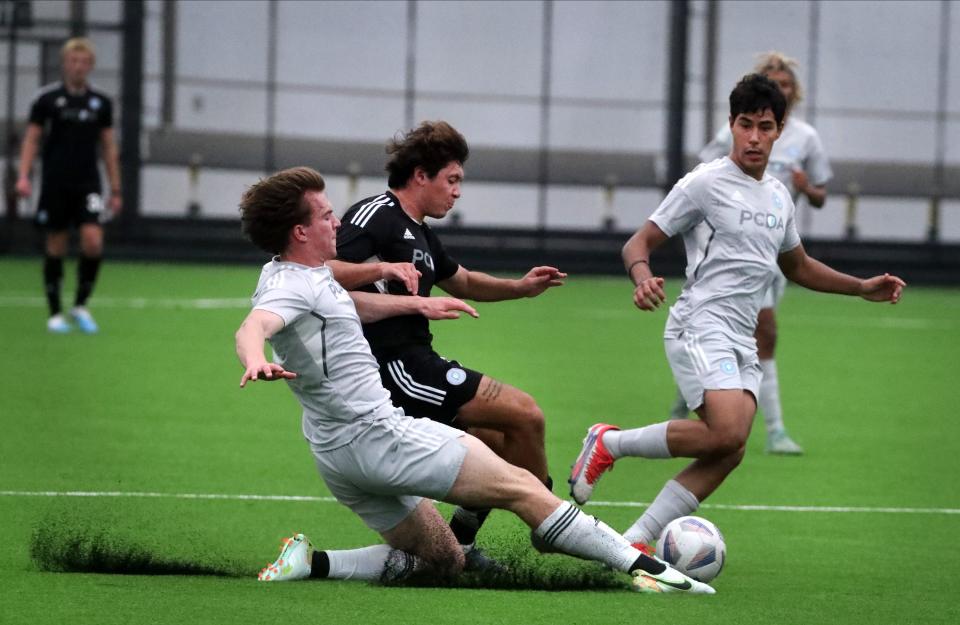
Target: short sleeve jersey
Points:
(377, 229)
(72, 126)
(798, 148)
(338, 380)
(749, 223)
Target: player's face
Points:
(77, 65)
(788, 86)
(323, 226)
(753, 137)
(441, 192)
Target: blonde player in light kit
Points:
(708, 338)
(799, 161)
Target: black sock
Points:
(648, 564)
(466, 526)
(86, 277)
(52, 276)
(320, 564)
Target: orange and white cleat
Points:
(594, 460)
(295, 561)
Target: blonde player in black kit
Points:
(73, 119)
(391, 249)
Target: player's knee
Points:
(728, 443)
(530, 418)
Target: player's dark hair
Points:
(430, 146)
(273, 206)
(756, 93)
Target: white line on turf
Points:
(29, 301)
(609, 504)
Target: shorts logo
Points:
(456, 376)
(727, 366)
(94, 202)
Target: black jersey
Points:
(376, 228)
(72, 126)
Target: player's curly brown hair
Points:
(430, 146)
(273, 206)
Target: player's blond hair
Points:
(78, 44)
(774, 61)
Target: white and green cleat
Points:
(295, 561)
(780, 444)
(670, 580)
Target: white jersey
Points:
(748, 224)
(338, 380)
(797, 148)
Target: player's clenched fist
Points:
(648, 295)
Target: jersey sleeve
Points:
(791, 238)
(287, 295)
(817, 164)
(677, 212)
(719, 146)
(444, 265)
(38, 112)
(106, 120)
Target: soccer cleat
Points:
(84, 320)
(779, 443)
(670, 580)
(295, 561)
(593, 461)
(57, 324)
(476, 560)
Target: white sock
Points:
(770, 397)
(679, 409)
(647, 442)
(673, 502)
(575, 533)
(366, 563)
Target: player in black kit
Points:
(75, 119)
(390, 249)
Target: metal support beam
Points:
(269, 154)
(168, 90)
(410, 85)
(132, 99)
(710, 54)
(543, 158)
(676, 91)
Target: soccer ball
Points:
(694, 546)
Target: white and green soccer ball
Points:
(694, 546)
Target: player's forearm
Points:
(636, 252)
(28, 151)
(482, 287)
(814, 275)
(817, 196)
(354, 275)
(112, 162)
(373, 307)
(250, 338)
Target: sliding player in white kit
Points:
(384, 465)
(799, 161)
(709, 333)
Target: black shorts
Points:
(425, 384)
(62, 207)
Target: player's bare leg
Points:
(501, 407)
(778, 441)
(717, 441)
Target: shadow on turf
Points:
(65, 548)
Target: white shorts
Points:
(391, 465)
(774, 293)
(712, 361)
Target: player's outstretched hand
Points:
(402, 272)
(885, 288)
(539, 279)
(445, 308)
(649, 294)
(23, 187)
(267, 371)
